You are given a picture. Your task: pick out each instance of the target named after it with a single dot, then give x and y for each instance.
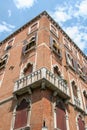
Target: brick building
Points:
(43, 79)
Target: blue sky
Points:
(70, 14)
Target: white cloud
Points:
(9, 13)
(78, 36)
(82, 8)
(61, 15)
(5, 27)
(22, 4)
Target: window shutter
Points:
(84, 69)
(66, 58)
(51, 41)
(35, 37)
(81, 124)
(24, 49)
(60, 117)
(75, 65)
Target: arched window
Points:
(81, 124)
(56, 71)
(60, 116)
(21, 114)
(74, 88)
(28, 69)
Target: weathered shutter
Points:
(35, 37)
(75, 65)
(24, 49)
(60, 117)
(66, 55)
(84, 69)
(51, 41)
(81, 124)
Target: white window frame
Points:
(29, 29)
(56, 32)
(67, 43)
(7, 44)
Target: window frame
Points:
(27, 126)
(4, 59)
(52, 27)
(30, 30)
(8, 46)
(29, 42)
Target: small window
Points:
(21, 115)
(28, 69)
(3, 61)
(29, 45)
(33, 27)
(54, 30)
(74, 88)
(9, 44)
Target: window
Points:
(28, 69)
(56, 71)
(81, 123)
(74, 88)
(9, 44)
(33, 27)
(71, 62)
(53, 29)
(55, 47)
(29, 45)
(21, 114)
(67, 43)
(60, 116)
(69, 59)
(3, 61)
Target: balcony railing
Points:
(77, 102)
(35, 79)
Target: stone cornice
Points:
(53, 21)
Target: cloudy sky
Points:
(70, 14)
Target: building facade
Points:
(43, 79)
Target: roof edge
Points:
(54, 22)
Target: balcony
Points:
(77, 102)
(36, 79)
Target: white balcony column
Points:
(43, 72)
